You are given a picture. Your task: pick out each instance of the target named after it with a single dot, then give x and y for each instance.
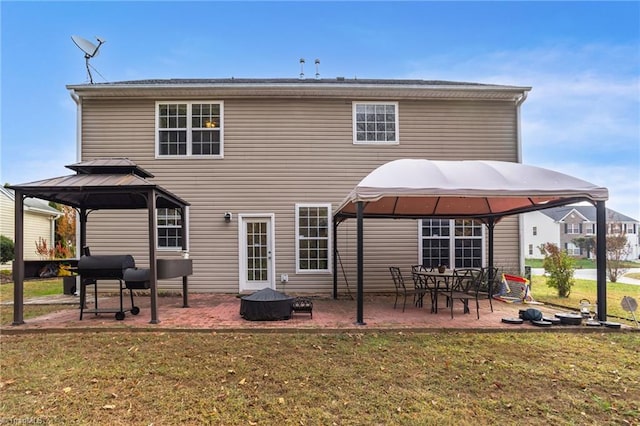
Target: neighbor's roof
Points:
(416, 188)
(282, 87)
(35, 205)
(588, 212)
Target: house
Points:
(39, 222)
(264, 163)
(563, 225)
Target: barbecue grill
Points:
(121, 268)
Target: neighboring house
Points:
(264, 163)
(39, 222)
(562, 225)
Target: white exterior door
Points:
(256, 252)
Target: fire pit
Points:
(266, 305)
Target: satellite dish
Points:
(90, 50)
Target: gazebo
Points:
(482, 190)
(109, 183)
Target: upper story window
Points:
(375, 123)
(535, 230)
(573, 228)
(313, 230)
(191, 129)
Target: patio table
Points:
(436, 277)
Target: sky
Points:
(582, 60)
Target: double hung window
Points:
(169, 228)
(189, 129)
(313, 242)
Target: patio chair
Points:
(401, 288)
(465, 286)
(488, 283)
(422, 282)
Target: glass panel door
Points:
(257, 259)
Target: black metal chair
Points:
(490, 280)
(465, 286)
(422, 282)
(401, 288)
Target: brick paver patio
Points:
(220, 312)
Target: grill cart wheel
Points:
(119, 316)
(135, 310)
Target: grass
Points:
(35, 288)
(579, 263)
(587, 289)
(312, 379)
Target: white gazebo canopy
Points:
(484, 190)
(417, 188)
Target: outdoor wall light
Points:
(228, 216)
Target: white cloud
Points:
(582, 116)
(622, 182)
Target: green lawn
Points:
(462, 378)
(34, 288)
(587, 289)
(579, 263)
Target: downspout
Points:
(76, 98)
(519, 102)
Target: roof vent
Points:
(317, 69)
(301, 68)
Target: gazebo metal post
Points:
(153, 278)
(360, 263)
(185, 246)
(335, 259)
(601, 259)
(491, 223)
(18, 264)
(83, 229)
(84, 215)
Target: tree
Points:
(587, 244)
(560, 267)
(7, 249)
(617, 252)
(65, 228)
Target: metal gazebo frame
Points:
(101, 184)
(483, 190)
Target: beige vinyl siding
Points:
(7, 214)
(279, 152)
(36, 225)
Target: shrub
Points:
(7, 249)
(560, 267)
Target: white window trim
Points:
(189, 130)
(355, 123)
(172, 249)
(329, 239)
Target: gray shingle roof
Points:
(589, 212)
(269, 81)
